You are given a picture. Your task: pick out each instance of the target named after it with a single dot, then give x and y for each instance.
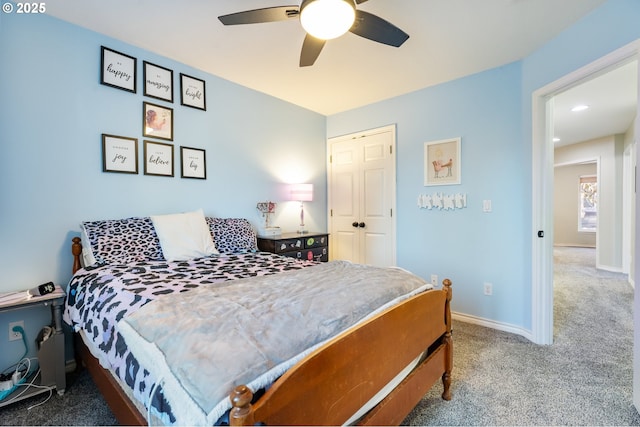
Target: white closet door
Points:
(362, 197)
(344, 203)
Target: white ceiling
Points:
(612, 99)
(448, 39)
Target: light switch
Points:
(486, 206)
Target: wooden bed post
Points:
(448, 341)
(241, 414)
(76, 250)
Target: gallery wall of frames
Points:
(120, 152)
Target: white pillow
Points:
(87, 251)
(184, 236)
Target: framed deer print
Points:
(442, 162)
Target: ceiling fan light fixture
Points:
(327, 19)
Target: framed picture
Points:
(157, 121)
(118, 70)
(158, 158)
(192, 92)
(119, 154)
(158, 81)
(194, 163)
(442, 162)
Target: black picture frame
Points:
(158, 158)
(193, 92)
(118, 70)
(194, 163)
(158, 81)
(157, 121)
(119, 154)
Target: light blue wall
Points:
(491, 111)
(465, 245)
(54, 110)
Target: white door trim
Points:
(542, 186)
(628, 189)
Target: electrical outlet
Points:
(13, 336)
(488, 288)
(434, 279)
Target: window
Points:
(588, 212)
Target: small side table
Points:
(51, 352)
(308, 246)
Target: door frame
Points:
(628, 189)
(542, 185)
(393, 202)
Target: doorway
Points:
(576, 212)
(542, 174)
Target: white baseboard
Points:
(609, 268)
(505, 327)
(574, 245)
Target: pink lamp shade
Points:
(301, 192)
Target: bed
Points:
(133, 299)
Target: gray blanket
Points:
(203, 343)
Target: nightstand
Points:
(311, 246)
(51, 358)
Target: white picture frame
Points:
(442, 162)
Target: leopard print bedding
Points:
(99, 296)
(232, 235)
(124, 241)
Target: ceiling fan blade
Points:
(377, 29)
(360, 1)
(311, 48)
(256, 16)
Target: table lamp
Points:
(301, 193)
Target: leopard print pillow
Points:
(233, 235)
(123, 241)
(129, 240)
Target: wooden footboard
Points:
(334, 382)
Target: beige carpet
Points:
(584, 378)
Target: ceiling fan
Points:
(324, 20)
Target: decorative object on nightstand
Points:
(312, 246)
(301, 193)
(267, 209)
